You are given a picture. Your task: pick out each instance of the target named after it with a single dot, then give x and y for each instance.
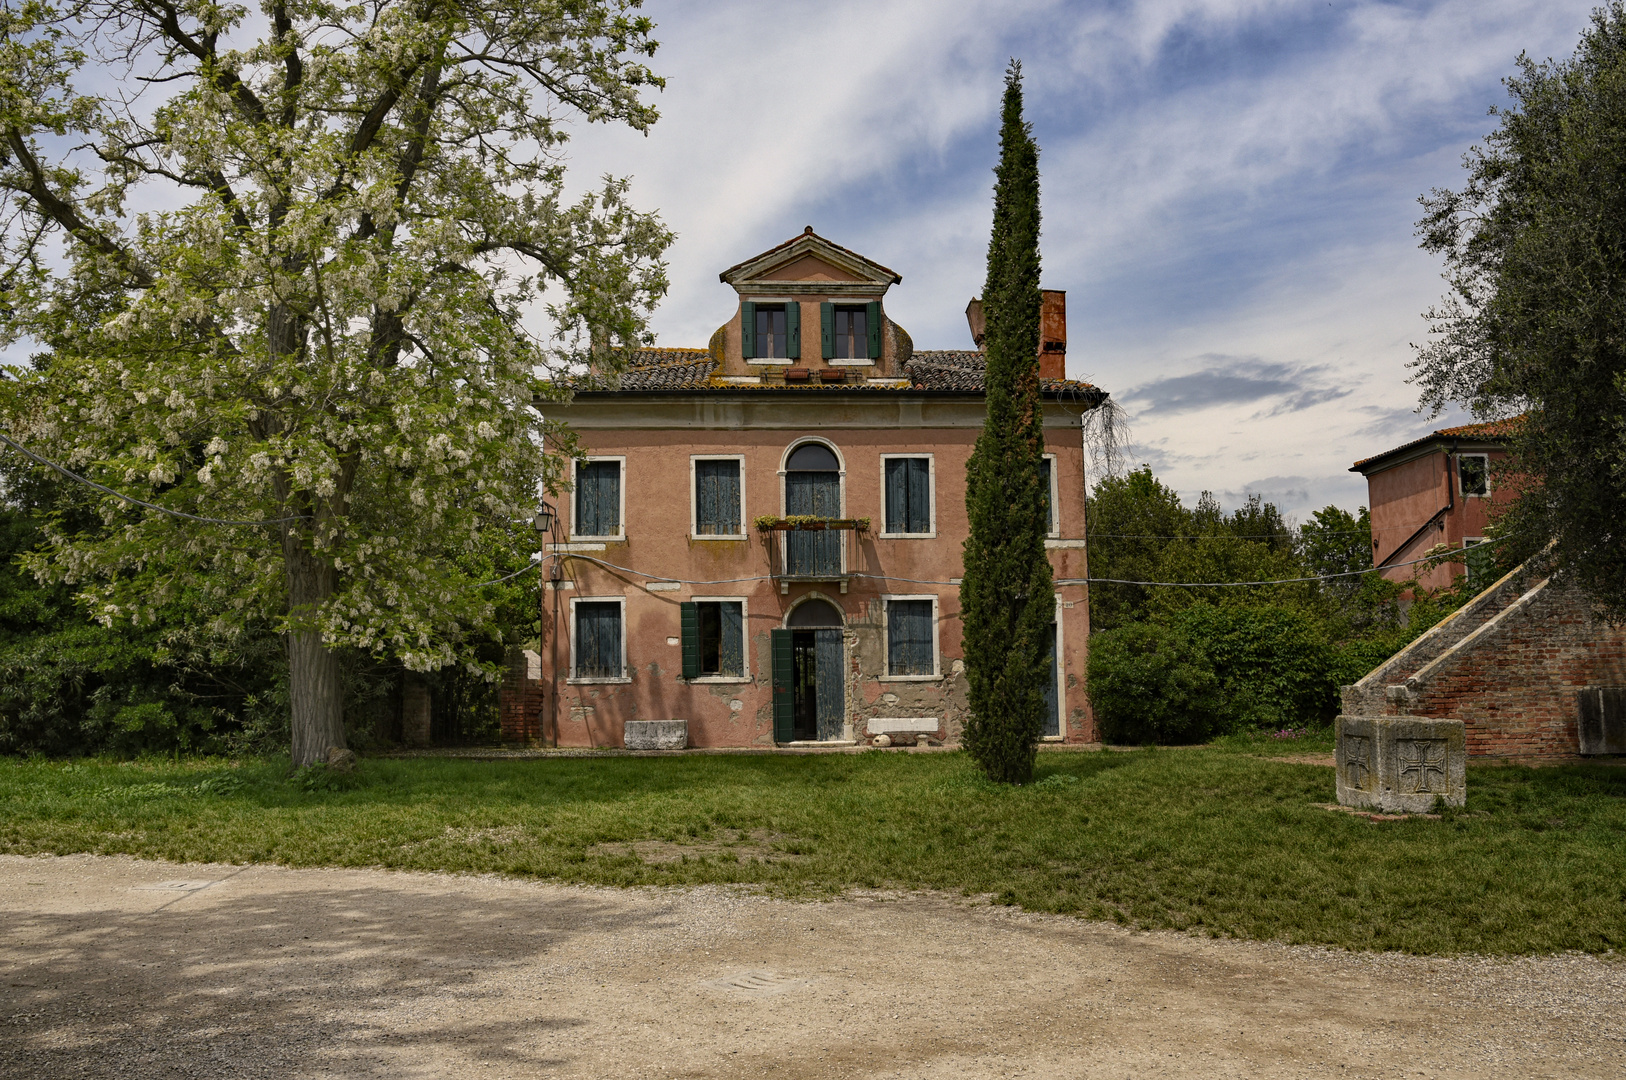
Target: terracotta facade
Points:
(653, 555)
(1419, 499)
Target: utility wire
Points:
(70, 474)
(1058, 581)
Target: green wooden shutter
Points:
(689, 620)
(748, 330)
(793, 330)
(872, 323)
(784, 674)
(827, 330)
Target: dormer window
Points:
(771, 331)
(851, 331)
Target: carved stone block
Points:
(1401, 764)
(656, 734)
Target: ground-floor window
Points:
(910, 634)
(598, 641)
(713, 639)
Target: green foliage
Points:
(1151, 683)
(1534, 245)
(1275, 667)
(1278, 652)
(1215, 841)
(319, 337)
(1006, 595)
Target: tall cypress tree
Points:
(1006, 597)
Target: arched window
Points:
(813, 489)
(813, 614)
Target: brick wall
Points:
(1512, 677)
(520, 699)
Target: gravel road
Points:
(117, 967)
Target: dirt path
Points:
(109, 968)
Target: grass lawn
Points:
(1221, 839)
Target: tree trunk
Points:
(314, 690)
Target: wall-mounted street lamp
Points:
(543, 522)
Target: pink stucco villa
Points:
(690, 585)
(1435, 490)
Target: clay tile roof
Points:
(669, 369)
(967, 369)
(1491, 431)
(952, 370)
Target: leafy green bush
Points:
(1274, 664)
(1152, 683)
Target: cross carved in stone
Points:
(1422, 765)
(1355, 767)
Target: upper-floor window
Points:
(598, 497)
(851, 331)
(771, 331)
(908, 495)
(1474, 472)
(718, 503)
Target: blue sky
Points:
(1229, 191)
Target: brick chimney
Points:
(1053, 334)
(1052, 331)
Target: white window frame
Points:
(848, 361)
(621, 492)
(624, 677)
(1055, 495)
(784, 462)
(1469, 494)
(745, 642)
(1060, 675)
(886, 644)
(782, 361)
(694, 499)
(931, 498)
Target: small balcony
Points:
(803, 547)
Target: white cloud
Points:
(1233, 178)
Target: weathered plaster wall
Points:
(657, 541)
(1406, 495)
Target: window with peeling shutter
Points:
(908, 495)
(872, 317)
(717, 498)
(598, 640)
(1044, 487)
(748, 330)
(784, 675)
(598, 498)
(689, 624)
(909, 637)
(731, 647)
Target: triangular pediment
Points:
(809, 258)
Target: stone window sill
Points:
(720, 680)
(598, 681)
(909, 678)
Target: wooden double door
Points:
(809, 691)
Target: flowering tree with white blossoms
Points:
(277, 259)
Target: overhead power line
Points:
(70, 474)
(1058, 581)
